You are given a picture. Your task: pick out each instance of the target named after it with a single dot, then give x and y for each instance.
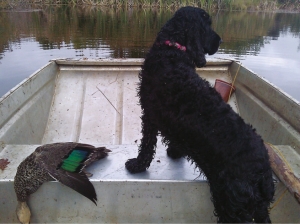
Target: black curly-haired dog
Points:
(195, 122)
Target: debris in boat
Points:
(3, 163)
(108, 100)
(64, 162)
(224, 88)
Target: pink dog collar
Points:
(177, 45)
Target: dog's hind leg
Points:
(232, 199)
(261, 214)
(146, 148)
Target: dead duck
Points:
(63, 162)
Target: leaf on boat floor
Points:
(3, 163)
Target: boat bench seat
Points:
(169, 191)
(163, 193)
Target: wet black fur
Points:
(195, 122)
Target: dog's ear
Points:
(173, 31)
(194, 37)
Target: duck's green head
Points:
(23, 212)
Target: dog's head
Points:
(191, 27)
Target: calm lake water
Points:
(267, 43)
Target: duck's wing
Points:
(54, 154)
(98, 153)
(77, 181)
(65, 161)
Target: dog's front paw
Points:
(133, 166)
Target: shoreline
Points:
(271, 6)
(151, 8)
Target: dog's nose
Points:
(221, 41)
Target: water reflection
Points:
(247, 32)
(268, 43)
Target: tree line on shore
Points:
(253, 5)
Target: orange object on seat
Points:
(224, 88)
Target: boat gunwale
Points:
(289, 97)
(20, 84)
(286, 98)
(125, 61)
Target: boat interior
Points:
(95, 102)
